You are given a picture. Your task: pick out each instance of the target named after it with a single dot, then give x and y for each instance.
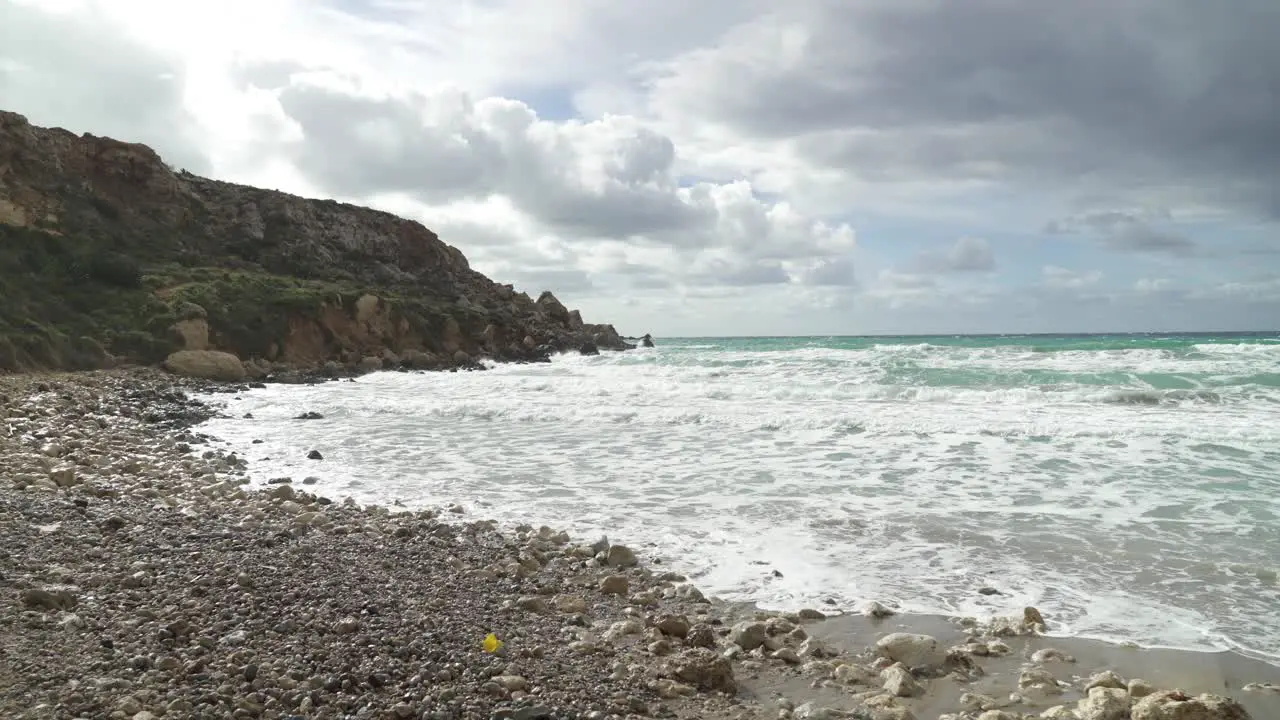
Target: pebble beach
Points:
(144, 573)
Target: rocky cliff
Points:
(108, 255)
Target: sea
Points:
(1128, 486)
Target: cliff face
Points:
(107, 254)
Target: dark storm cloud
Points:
(1125, 230)
(1179, 96)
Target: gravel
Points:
(143, 576)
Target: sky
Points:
(734, 167)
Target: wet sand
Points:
(1221, 673)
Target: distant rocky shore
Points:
(142, 575)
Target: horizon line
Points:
(981, 334)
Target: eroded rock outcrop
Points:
(108, 254)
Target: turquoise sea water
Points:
(1127, 485)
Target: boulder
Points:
(912, 650)
(898, 681)
(553, 308)
(588, 348)
(194, 333)
(620, 556)
(1104, 703)
(1176, 705)
(703, 669)
(206, 364)
(749, 635)
(417, 359)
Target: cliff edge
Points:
(108, 255)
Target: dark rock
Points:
(588, 348)
(315, 455)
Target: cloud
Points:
(701, 167)
(1165, 100)
(1147, 286)
(968, 254)
(1125, 230)
(609, 179)
(1060, 278)
(82, 71)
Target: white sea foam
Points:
(1131, 494)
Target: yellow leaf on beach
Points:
(491, 643)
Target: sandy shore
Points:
(142, 575)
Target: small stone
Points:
(1038, 682)
(1047, 655)
(670, 689)
(786, 655)
(703, 669)
(570, 604)
(615, 585)
(512, 682)
(1106, 679)
(674, 625)
(899, 681)
(660, 647)
(874, 609)
(48, 600)
(64, 477)
(283, 492)
(346, 626)
(702, 635)
(1139, 688)
(315, 455)
(809, 711)
(1104, 703)
(850, 674)
(532, 603)
(749, 635)
(912, 650)
(114, 523)
(620, 556)
(998, 648)
(1032, 618)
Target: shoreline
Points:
(297, 468)
(643, 653)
